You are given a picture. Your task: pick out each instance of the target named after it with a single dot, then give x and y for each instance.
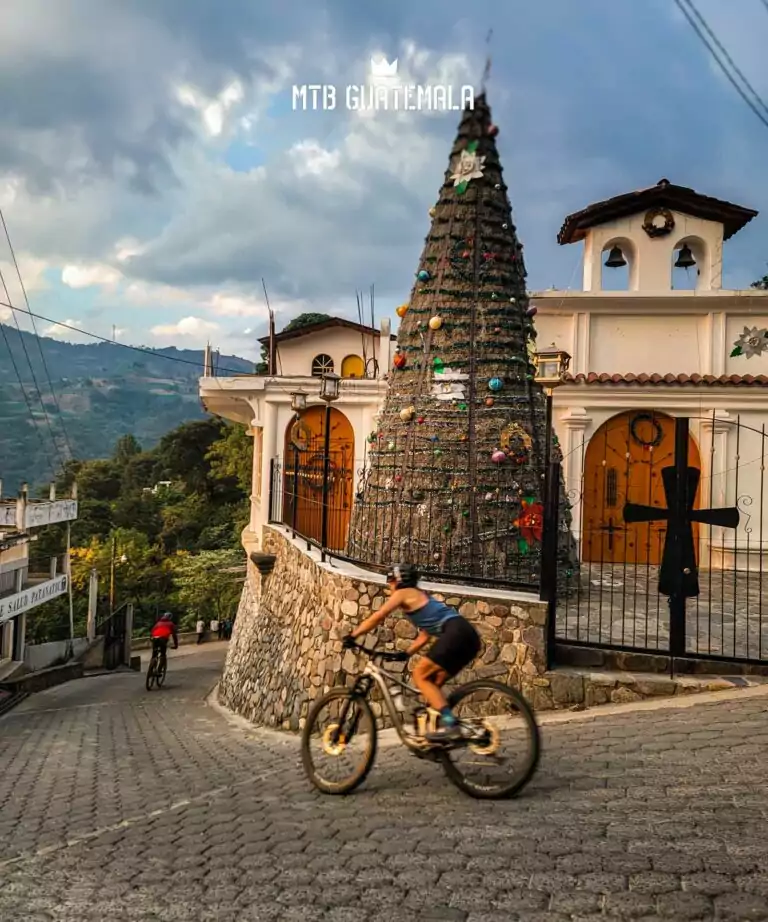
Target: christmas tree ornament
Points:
(391, 446)
(371, 438)
(498, 456)
(513, 300)
(438, 364)
(505, 226)
(421, 420)
(432, 211)
(398, 478)
(497, 187)
(407, 414)
(489, 401)
(436, 556)
(493, 130)
(531, 312)
(402, 310)
(495, 384)
(494, 296)
(435, 322)
(423, 275)
(438, 452)
(752, 342)
(399, 360)
(463, 407)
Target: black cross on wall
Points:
(678, 575)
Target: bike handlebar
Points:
(380, 654)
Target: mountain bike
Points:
(500, 738)
(157, 669)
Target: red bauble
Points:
(399, 360)
(493, 130)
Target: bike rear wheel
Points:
(338, 742)
(506, 754)
(160, 673)
(151, 673)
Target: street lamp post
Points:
(551, 367)
(329, 392)
(112, 563)
(298, 405)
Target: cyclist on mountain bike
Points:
(457, 644)
(160, 634)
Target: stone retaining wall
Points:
(286, 646)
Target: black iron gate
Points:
(671, 558)
(113, 630)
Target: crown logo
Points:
(382, 68)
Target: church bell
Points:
(615, 259)
(685, 260)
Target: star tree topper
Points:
(468, 166)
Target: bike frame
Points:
(375, 675)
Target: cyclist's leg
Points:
(455, 649)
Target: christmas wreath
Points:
(658, 432)
(653, 228)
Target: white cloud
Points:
(189, 326)
(84, 276)
(213, 112)
(233, 306)
(311, 159)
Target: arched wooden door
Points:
(304, 476)
(623, 464)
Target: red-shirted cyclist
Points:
(161, 633)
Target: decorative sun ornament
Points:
(468, 166)
(751, 342)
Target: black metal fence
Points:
(434, 532)
(671, 527)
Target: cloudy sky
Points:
(153, 169)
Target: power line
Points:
(689, 15)
(104, 339)
(36, 386)
(26, 400)
(739, 73)
(37, 336)
(765, 4)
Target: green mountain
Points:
(104, 391)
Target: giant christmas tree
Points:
(454, 480)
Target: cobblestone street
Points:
(116, 804)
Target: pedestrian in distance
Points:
(200, 630)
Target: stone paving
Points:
(619, 604)
(119, 805)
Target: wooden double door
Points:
(303, 476)
(623, 463)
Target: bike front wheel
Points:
(501, 755)
(151, 674)
(338, 742)
(160, 673)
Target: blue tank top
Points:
(432, 616)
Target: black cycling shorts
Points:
(456, 647)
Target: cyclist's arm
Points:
(421, 641)
(372, 621)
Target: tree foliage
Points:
(175, 514)
(761, 284)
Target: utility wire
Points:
(689, 15)
(36, 386)
(26, 400)
(765, 4)
(104, 339)
(37, 335)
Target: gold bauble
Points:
(402, 310)
(435, 323)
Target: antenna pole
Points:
(272, 364)
(487, 69)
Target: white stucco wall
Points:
(294, 356)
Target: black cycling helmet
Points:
(404, 575)
(167, 617)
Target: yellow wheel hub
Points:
(331, 747)
(489, 748)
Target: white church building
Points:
(652, 336)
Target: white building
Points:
(361, 355)
(21, 591)
(660, 345)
